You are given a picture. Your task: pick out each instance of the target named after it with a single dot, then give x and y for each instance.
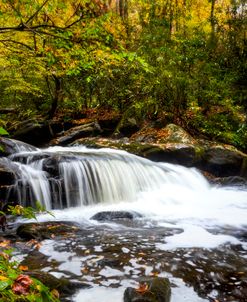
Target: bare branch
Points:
(36, 13)
(15, 42)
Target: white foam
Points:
(194, 236)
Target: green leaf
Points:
(3, 131)
(4, 284)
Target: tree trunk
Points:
(57, 97)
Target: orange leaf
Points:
(23, 267)
(143, 288)
(5, 243)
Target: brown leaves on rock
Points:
(142, 288)
(34, 243)
(21, 285)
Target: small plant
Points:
(28, 212)
(15, 285)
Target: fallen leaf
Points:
(23, 267)
(85, 270)
(55, 293)
(143, 288)
(5, 243)
(34, 243)
(21, 285)
(4, 255)
(141, 254)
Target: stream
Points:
(187, 230)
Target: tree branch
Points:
(37, 11)
(15, 42)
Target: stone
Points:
(223, 160)
(7, 173)
(154, 290)
(89, 129)
(65, 287)
(115, 215)
(44, 230)
(11, 146)
(230, 181)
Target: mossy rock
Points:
(154, 290)
(45, 230)
(65, 287)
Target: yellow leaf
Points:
(5, 243)
(55, 293)
(3, 278)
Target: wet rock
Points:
(223, 160)
(231, 181)
(152, 290)
(44, 230)
(115, 215)
(7, 172)
(33, 132)
(218, 159)
(74, 133)
(65, 287)
(175, 153)
(11, 146)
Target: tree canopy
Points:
(185, 59)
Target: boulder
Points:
(174, 145)
(65, 287)
(223, 160)
(67, 137)
(39, 132)
(11, 146)
(7, 172)
(151, 290)
(230, 181)
(45, 230)
(115, 215)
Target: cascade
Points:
(65, 177)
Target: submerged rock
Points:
(151, 290)
(115, 215)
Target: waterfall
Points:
(67, 177)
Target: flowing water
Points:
(188, 230)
